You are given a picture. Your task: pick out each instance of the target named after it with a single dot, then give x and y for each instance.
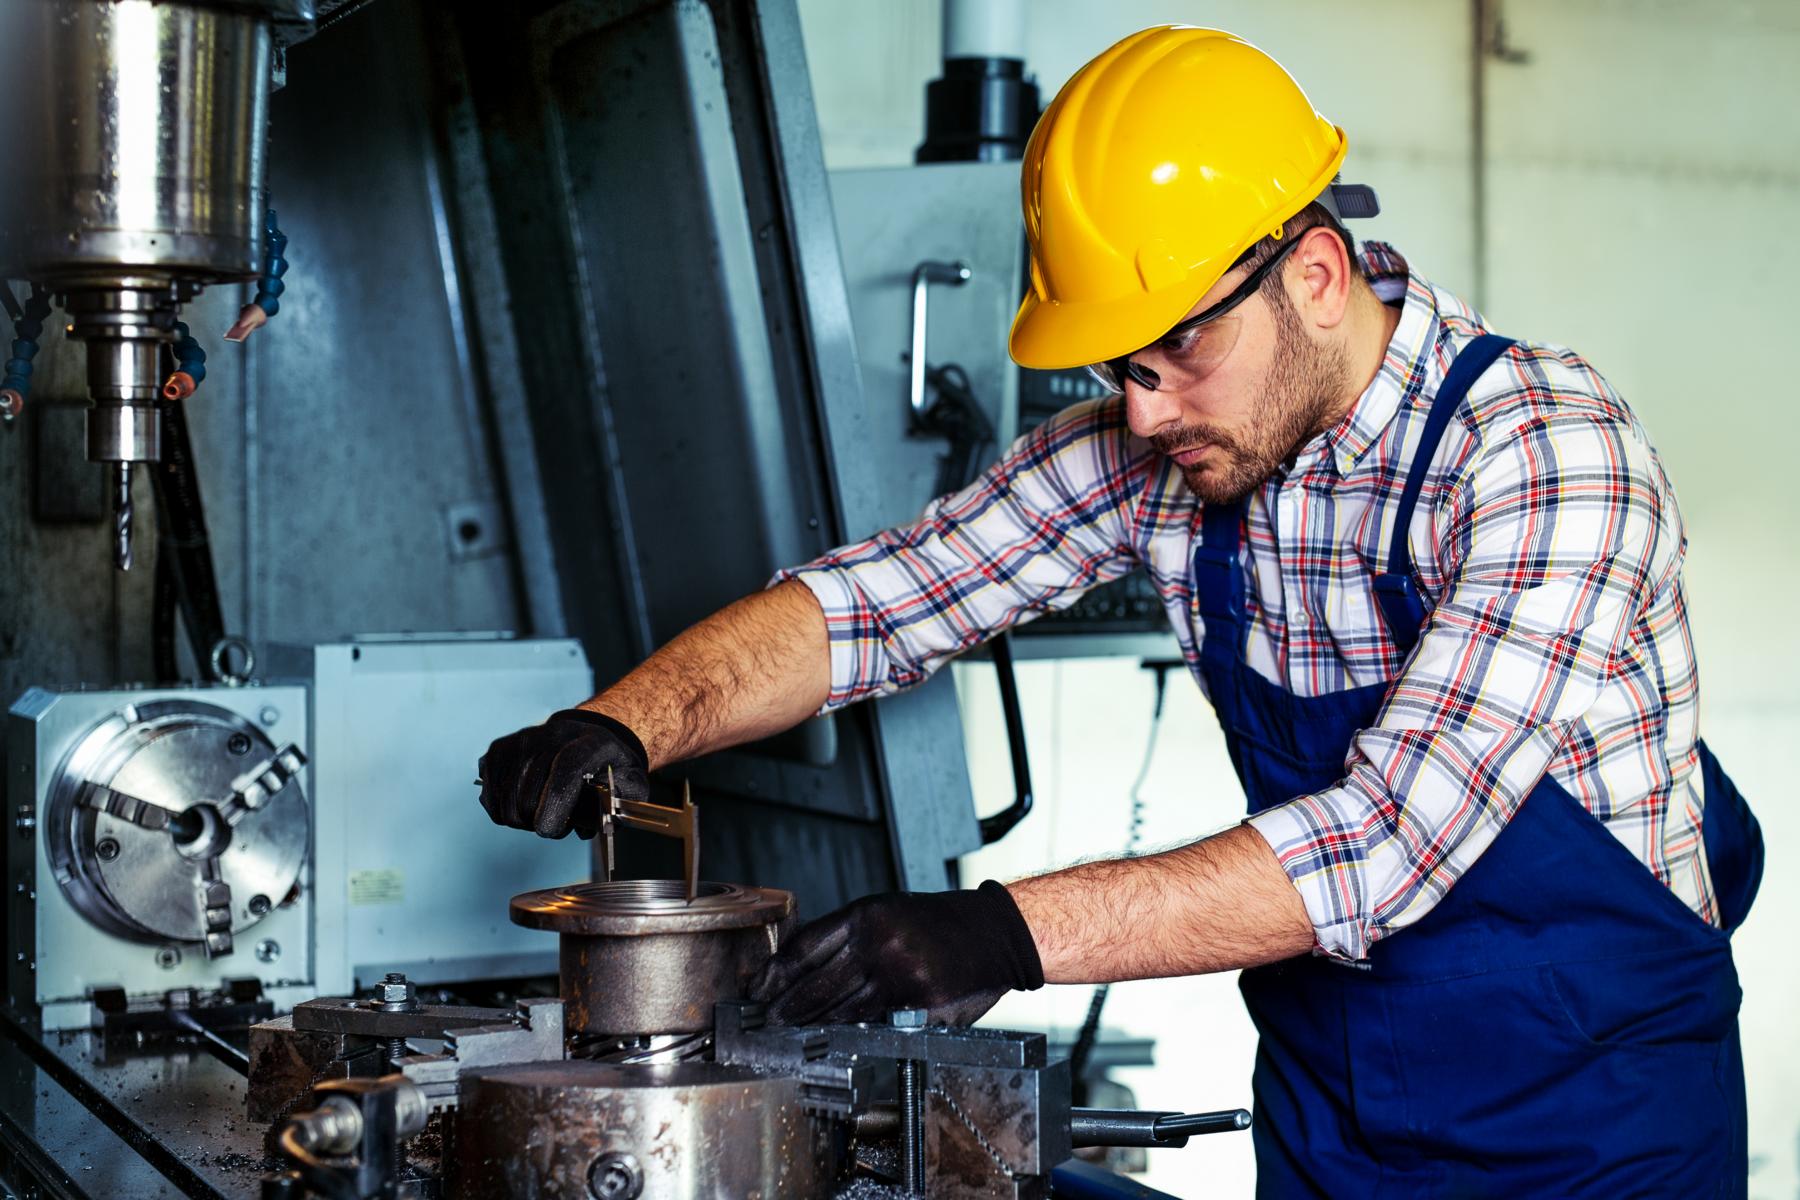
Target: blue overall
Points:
(1560, 1024)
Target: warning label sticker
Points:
(383, 885)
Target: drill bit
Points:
(122, 516)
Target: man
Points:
(1429, 578)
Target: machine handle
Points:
(924, 275)
(1143, 1127)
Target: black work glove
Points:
(952, 953)
(538, 778)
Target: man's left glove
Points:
(538, 778)
(952, 953)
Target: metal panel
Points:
(366, 434)
(666, 233)
(889, 220)
(410, 873)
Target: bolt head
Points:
(107, 849)
(260, 905)
(909, 1018)
(268, 950)
(238, 743)
(615, 1176)
(395, 990)
(168, 958)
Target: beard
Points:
(1297, 394)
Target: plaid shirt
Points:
(1548, 545)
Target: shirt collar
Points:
(1405, 367)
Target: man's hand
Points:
(537, 778)
(953, 953)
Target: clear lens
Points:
(1106, 374)
(1180, 358)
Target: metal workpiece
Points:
(638, 958)
(177, 821)
(693, 1131)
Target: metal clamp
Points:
(924, 275)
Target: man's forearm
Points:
(752, 669)
(1216, 905)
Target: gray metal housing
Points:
(566, 351)
(58, 955)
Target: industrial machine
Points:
(135, 191)
(195, 839)
(571, 358)
(649, 1076)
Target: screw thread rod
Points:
(912, 1142)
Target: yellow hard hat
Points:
(1155, 167)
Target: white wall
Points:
(1640, 164)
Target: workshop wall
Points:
(1627, 198)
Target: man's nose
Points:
(1148, 411)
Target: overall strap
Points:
(1219, 584)
(1395, 591)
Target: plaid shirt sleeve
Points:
(1051, 519)
(1550, 543)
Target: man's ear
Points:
(1318, 278)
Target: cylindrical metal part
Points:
(140, 146)
(1118, 1127)
(1145, 1127)
(681, 1131)
(122, 513)
(124, 433)
(984, 29)
(124, 370)
(1182, 1125)
(638, 959)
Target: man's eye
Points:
(1181, 343)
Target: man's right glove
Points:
(538, 778)
(951, 953)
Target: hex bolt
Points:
(615, 1175)
(260, 905)
(268, 950)
(106, 849)
(238, 743)
(911, 1073)
(168, 958)
(269, 714)
(395, 993)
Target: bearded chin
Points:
(1229, 481)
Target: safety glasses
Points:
(1192, 349)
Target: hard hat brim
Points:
(1052, 336)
